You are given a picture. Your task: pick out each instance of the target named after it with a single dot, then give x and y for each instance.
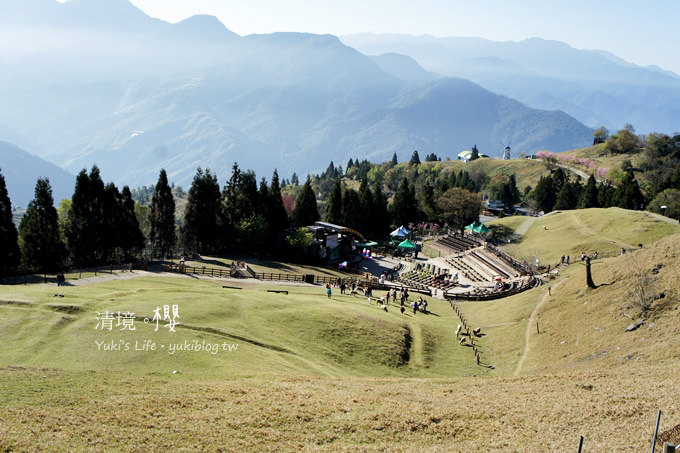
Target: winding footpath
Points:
(527, 333)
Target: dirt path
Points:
(661, 217)
(416, 360)
(530, 324)
(588, 231)
(523, 228)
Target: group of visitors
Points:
(419, 305)
(61, 279)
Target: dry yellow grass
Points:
(66, 411)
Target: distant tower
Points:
(506, 153)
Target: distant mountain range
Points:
(98, 81)
(595, 87)
(21, 171)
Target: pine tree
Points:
(568, 196)
(87, 232)
(43, 249)
(366, 208)
(131, 239)
(351, 209)
(404, 207)
(162, 216)
(200, 231)
(294, 180)
(9, 244)
(415, 159)
(544, 194)
(588, 198)
(474, 155)
(350, 164)
(628, 194)
(381, 216)
(279, 218)
(394, 159)
(306, 211)
(428, 203)
(334, 204)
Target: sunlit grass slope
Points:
(585, 230)
(302, 332)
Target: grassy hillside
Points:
(301, 332)
(316, 374)
(585, 230)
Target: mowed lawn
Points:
(259, 332)
(571, 233)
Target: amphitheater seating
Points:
(487, 294)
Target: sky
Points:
(643, 33)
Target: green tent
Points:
(407, 245)
(477, 227)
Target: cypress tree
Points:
(306, 211)
(628, 194)
(86, 233)
(415, 159)
(200, 231)
(9, 244)
(162, 216)
(474, 155)
(334, 204)
(351, 209)
(279, 218)
(404, 207)
(588, 198)
(381, 215)
(394, 159)
(366, 208)
(43, 249)
(131, 239)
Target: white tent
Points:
(401, 232)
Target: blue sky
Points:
(641, 32)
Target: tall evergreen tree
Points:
(43, 249)
(605, 195)
(415, 159)
(200, 231)
(351, 209)
(381, 215)
(294, 180)
(474, 155)
(279, 218)
(544, 194)
(568, 196)
(87, 233)
(366, 208)
(131, 239)
(162, 216)
(334, 204)
(404, 207)
(9, 244)
(588, 198)
(428, 203)
(394, 160)
(628, 194)
(306, 211)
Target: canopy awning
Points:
(401, 232)
(477, 227)
(407, 245)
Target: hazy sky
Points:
(641, 32)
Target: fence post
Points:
(656, 431)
